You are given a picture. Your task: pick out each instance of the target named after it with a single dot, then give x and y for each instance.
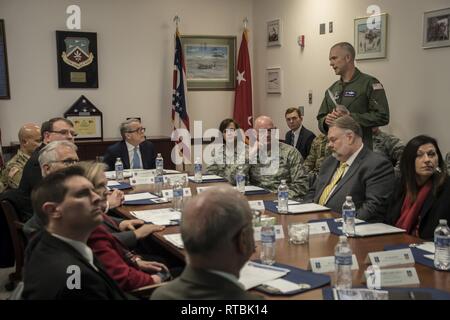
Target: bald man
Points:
(290, 166)
(29, 138)
(217, 233)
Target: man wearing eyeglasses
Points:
(134, 150)
(55, 129)
(55, 156)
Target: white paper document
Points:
(201, 189)
(282, 285)
(279, 233)
(253, 274)
(318, 228)
(427, 246)
(113, 183)
(139, 196)
(372, 229)
(357, 221)
(112, 174)
(164, 217)
(306, 208)
(429, 256)
(253, 188)
(207, 177)
(290, 202)
(257, 205)
(175, 239)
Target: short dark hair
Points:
(226, 122)
(408, 166)
(45, 127)
(52, 121)
(293, 109)
(347, 47)
(348, 123)
(52, 188)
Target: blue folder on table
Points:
(191, 179)
(419, 254)
(121, 186)
(418, 293)
(297, 275)
(256, 192)
(143, 202)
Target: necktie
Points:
(136, 162)
(337, 176)
(293, 139)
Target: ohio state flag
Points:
(243, 110)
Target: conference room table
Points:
(298, 255)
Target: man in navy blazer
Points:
(366, 176)
(299, 137)
(134, 150)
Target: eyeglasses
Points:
(142, 130)
(66, 162)
(65, 132)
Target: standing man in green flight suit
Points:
(355, 93)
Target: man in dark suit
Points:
(58, 263)
(53, 130)
(217, 234)
(298, 137)
(353, 170)
(134, 150)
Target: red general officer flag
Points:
(243, 110)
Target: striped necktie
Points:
(336, 177)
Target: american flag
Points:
(180, 118)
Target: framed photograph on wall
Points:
(370, 37)
(77, 59)
(4, 77)
(273, 35)
(210, 62)
(273, 80)
(436, 29)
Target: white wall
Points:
(417, 81)
(135, 56)
(135, 46)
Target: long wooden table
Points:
(318, 246)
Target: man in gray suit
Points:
(217, 234)
(353, 170)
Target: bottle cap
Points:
(283, 181)
(348, 198)
(159, 154)
(442, 221)
(118, 159)
(342, 238)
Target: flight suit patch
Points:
(350, 93)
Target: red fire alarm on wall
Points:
(301, 41)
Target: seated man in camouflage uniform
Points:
(268, 174)
(319, 151)
(29, 138)
(389, 146)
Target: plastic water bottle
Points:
(177, 199)
(198, 170)
(159, 164)
(119, 169)
(343, 264)
(442, 246)
(240, 179)
(283, 197)
(348, 217)
(159, 181)
(267, 244)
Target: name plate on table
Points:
(390, 258)
(392, 277)
(171, 178)
(201, 189)
(327, 264)
(168, 193)
(279, 233)
(136, 180)
(318, 228)
(257, 205)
